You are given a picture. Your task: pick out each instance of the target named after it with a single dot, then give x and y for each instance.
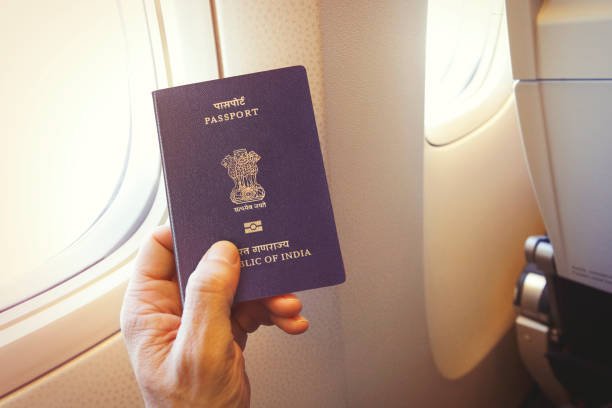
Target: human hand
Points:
(192, 355)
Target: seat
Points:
(561, 60)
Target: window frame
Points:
(484, 98)
(63, 319)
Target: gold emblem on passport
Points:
(253, 226)
(241, 166)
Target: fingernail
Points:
(223, 251)
(290, 298)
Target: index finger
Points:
(156, 257)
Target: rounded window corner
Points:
(74, 301)
(468, 69)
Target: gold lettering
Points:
(300, 253)
(226, 117)
(245, 263)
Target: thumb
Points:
(210, 290)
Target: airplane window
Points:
(468, 74)
(67, 121)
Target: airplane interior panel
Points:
(465, 147)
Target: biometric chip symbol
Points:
(253, 226)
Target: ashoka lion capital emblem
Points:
(242, 168)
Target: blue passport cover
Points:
(242, 163)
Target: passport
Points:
(242, 162)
